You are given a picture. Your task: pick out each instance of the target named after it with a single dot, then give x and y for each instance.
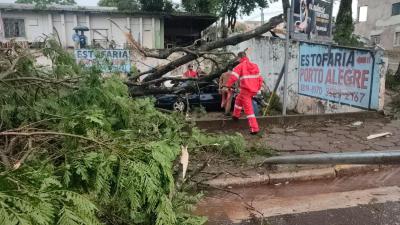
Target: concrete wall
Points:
(35, 24)
(269, 55)
(147, 30)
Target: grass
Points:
(260, 149)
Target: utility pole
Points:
(285, 81)
(262, 16)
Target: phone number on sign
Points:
(345, 95)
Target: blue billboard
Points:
(109, 60)
(338, 74)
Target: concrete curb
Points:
(228, 124)
(302, 175)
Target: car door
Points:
(210, 97)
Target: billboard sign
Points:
(336, 74)
(109, 60)
(312, 17)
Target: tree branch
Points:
(145, 89)
(26, 134)
(233, 40)
(50, 81)
(12, 67)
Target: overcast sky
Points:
(273, 9)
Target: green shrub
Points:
(81, 151)
(392, 81)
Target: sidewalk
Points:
(333, 136)
(303, 138)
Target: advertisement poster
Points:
(109, 60)
(312, 17)
(337, 74)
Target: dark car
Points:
(206, 96)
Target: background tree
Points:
(152, 5)
(128, 5)
(285, 6)
(343, 34)
(239, 8)
(44, 3)
(108, 3)
(228, 10)
(199, 6)
(143, 5)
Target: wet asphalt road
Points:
(371, 214)
(366, 199)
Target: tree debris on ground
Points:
(373, 136)
(76, 149)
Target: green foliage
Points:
(199, 6)
(110, 3)
(199, 111)
(392, 81)
(232, 9)
(105, 159)
(140, 5)
(35, 196)
(45, 3)
(344, 29)
(274, 106)
(262, 150)
(231, 145)
(395, 107)
(152, 5)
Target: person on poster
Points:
(303, 16)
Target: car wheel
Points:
(179, 106)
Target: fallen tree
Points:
(76, 149)
(147, 82)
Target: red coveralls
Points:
(190, 74)
(250, 83)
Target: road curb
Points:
(268, 121)
(301, 175)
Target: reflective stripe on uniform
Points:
(238, 107)
(249, 77)
(235, 74)
(251, 116)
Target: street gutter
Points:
(301, 175)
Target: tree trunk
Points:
(223, 22)
(223, 27)
(397, 74)
(285, 6)
(233, 40)
(144, 90)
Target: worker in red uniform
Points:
(190, 73)
(250, 83)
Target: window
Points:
(376, 39)
(396, 9)
(363, 13)
(397, 39)
(14, 28)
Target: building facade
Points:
(25, 22)
(379, 21)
